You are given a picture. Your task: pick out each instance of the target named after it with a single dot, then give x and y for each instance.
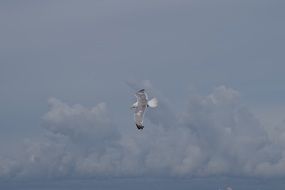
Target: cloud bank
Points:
(215, 135)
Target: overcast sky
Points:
(69, 69)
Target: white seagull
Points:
(141, 105)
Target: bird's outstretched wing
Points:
(141, 97)
(139, 114)
(142, 103)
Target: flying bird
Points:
(141, 105)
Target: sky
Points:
(69, 71)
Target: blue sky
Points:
(69, 69)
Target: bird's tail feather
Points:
(153, 103)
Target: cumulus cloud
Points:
(215, 135)
(79, 123)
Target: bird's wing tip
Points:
(142, 90)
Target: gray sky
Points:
(68, 71)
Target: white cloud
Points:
(78, 122)
(216, 135)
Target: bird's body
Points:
(140, 107)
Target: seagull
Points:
(141, 105)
